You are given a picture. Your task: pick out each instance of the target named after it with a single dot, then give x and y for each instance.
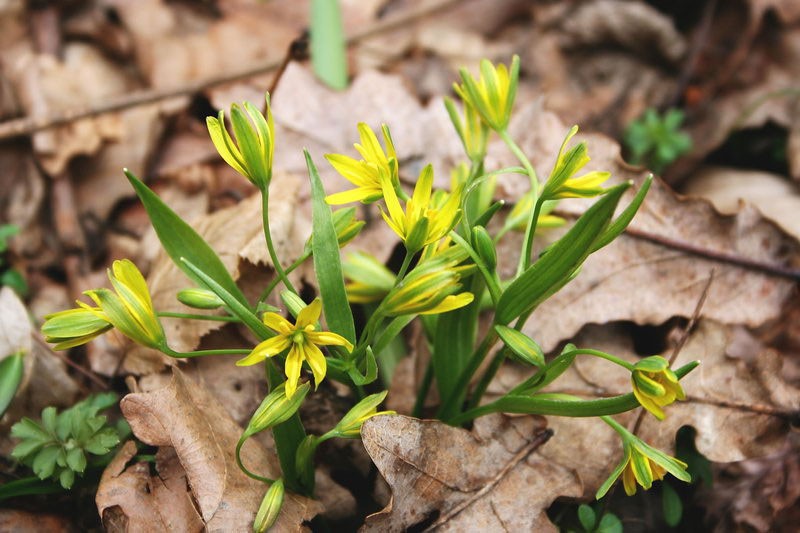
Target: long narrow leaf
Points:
(327, 263)
(621, 222)
(11, 370)
(328, 48)
(180, 240)
(560, 261)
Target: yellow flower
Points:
(367, 173)
(74, 327)
(251, 154)
(642, 464)
(655, 385)
(302, 339)
(431, 288)
(426, 219)
(472, 130)
(130, 308)
(492, 95)
(562, 184)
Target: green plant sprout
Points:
(447, 280)
(655, 141)
(58, 447)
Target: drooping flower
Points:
(642, 464)
(655, 385)
(303, 341)
(492, 94)
(427, 217)
(366, 174)
(129, 307)
(563, 184)
(432, 287)
(74, 327)
(251, 154)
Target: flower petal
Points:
(326, 338)
(316, 361)
(309, 315)
(277, 323)
(292, 367)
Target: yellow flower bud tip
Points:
(350, 425)
(303, 342)
(270, 507)
(252, 152)
(369, 279)
(74, 327)
(276, 408)
(492, 94)
(472, 130)
(562, 184)
(366, 174)
(428, 289)
(426, 218)
(641, 465)
(655, 385)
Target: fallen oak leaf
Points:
(186, 417)
(488, 480)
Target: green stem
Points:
(270, 247)
(202, 353)
(517, 151)
(422, 393)
(404, 267)
(453, 402)
(272, 284)
(487, 378)
(244, 469)
(492, 283)
(215, 318)
(530, 233)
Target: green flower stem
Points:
(270, 247)
(404, 267)
(603, 355)
(489, 276)
(244, 469)
(517, 151)
(215, 318)
(271, 287)
(616, 426)
(202, 353)
(422, 393)
(530, 233)
(453, 402)
(391, 331)
(488, 376)
(560, 404)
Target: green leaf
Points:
(66, 478)
(671, 504)
(27, 429)
(553, 270)
(619, 224)
(587, 517)
(371, 373)
(521, 345)
(454, 342)
(236, 307)
(328, 47)
(45, 461)
(76, 460)
(609, 524)
(11, 372)
(27, 486)
(181, 241)
(327, 263)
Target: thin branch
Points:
(88, 373)
(27, 125)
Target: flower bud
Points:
(276, 408)
(483, 244)
(200, 298)
(270, 507)
(522, 347)
(349, 427)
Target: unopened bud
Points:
(484, 245)
(276, 408)
(200, 298)
(270, 507)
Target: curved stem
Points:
(202, 353)
(214, 318)
(530, 233)
(270, 247)
(489, 276)
(277, 279)
(244, 469)
(404, 267)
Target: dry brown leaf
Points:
(738, 407)
(27, 522)
(130, 499)
(492, 479)
(186, 417)
(775, 197)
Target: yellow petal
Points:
(326, 338)
(277, 323)
(309, 315)
(272, 346)
(451, 302)
(294, 363)
(362, 194)
(316, 361)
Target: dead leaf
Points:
(130, 499)
(186, 417)
(26, 522)
(489, 480)
(775, 197)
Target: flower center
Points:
(298, 337)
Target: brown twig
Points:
(715, 255)
(27, 125)
(540, 439)
(698, 43)
(88, 373)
